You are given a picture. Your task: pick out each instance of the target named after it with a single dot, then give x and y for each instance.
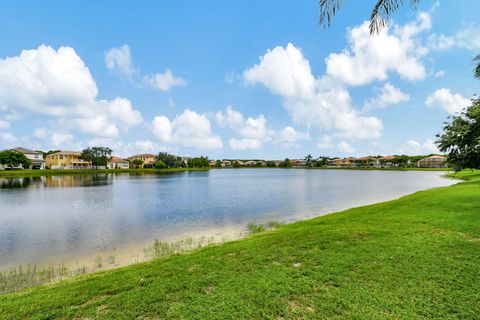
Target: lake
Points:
(60, 218)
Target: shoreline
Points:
(371, 256)
(129, 255)
(68, 172)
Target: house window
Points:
(60, 157)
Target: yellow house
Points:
(147, 158)
(66, 160)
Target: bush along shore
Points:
(414, 257)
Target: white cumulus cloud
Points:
(466, 38)
(325, 142)
(284, 71)
(372, 57)
(188, 129)
(288, 137)
(57, 83)
(386, 95)
(164, 81)
(245, 144)
(253, 130)
(345, 147)
(322, 103)
(448, 101)
(120, 60)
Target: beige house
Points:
(345, 162)
(226, 163)
(434, 161)
(147, 158)
(66, 160)
(117, 163)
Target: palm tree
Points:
(309, 158)
(381, 12)
(379, 16)
(477, 68)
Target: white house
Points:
(117, 163)
(35, 157)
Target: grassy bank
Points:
(53, 172)
(416, 257)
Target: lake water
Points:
(63, 217)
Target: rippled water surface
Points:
(67, 216)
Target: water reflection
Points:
(63, 217)
(56, 181)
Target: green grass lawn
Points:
(54, 172)
(416, 257)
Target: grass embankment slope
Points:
(416, 257)
(54, 172)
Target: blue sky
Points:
(236, 79)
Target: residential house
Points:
(386, 162)
(365, 162)
(250, 163)
(342, 163)
(226, 163)
(299, 162)
(434, 161)
(66, 160)
(185, 160)
(35, 157)
(117, 163)
(147, 158)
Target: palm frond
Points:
(477, 67)
(328, 9)
(383, 10)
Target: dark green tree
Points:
(11, 158)
(401, 161)
(136, 163)
(170, 160)
(286, 163)
(461, 138)
(159, 164)
(321, 162)
(218, 164)
(201, 162)
(98, 156)
(309, 159)
(271, 164)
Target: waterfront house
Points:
(365, 162)
(35, 157)
(147, 158)
(66, 160)
(117, 163)
(226, 163)
(185, 160)
(250, 163)
(341, 163)
(434, 161)
(299, 162)
(213, 163)
(386, 162)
